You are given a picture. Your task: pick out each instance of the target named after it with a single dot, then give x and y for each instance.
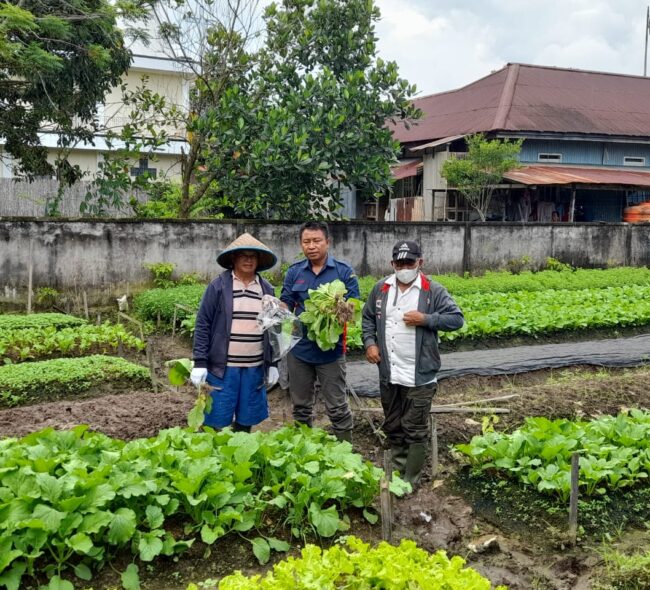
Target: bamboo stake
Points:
(154, 381)
(573, 500)
(86, 305)
(385, 500)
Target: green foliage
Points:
(38, 320)
(74, 498)
(162, 273)
(46, 296)
(354, 564)
(533, 313)
(614, 453)
(179, 372)
(160, 302)
(623, 571)
(50, 341)
(140, 138)
(42, 380)
(519, 265)
(326, 313)
(190, 278)
(558, 265)
(277, 133)
(482, 168)
(505, 282)
(59, 59)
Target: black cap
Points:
(406, 250)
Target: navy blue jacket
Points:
(298, 280)
(213, 322)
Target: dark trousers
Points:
(406, 412)
(331, 377)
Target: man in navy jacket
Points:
(231, 352)
(307, 361)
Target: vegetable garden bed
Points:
(46, 380)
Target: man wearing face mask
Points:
(401, 320)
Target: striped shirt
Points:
(246, 347)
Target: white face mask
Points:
(407, 275)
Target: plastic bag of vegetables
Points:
(327, 312)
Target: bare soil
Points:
(441, 514)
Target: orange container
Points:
(638, 213)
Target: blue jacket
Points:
(213, 322)
(298, 280)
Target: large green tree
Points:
(312, 114)
(477, 173)
(279, 123)
(58, 59)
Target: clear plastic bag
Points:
(283, 327)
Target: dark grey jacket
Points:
(442, 314)
(212, 330)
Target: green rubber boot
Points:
(343, 435)
(415, 460)
(398, 455)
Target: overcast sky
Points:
(444, 44)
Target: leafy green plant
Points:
(190, 278)
(355, 564)
(162, 273)
(179, 373)
(613, 453)
(43, 380)
(506, 282)
(72, 499)
(558, 265)
(527, 313)
(38, 320)
(518, 265)
(46, 296)
(326, 313)
(49, 341)
(159, 303)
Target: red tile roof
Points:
(523, 97)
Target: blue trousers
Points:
(240, 395)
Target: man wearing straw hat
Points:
(230, 352)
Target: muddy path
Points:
(440, 515)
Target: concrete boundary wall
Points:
(107, 255)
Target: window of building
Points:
(546, 157)
(143, 168)
(633, 161)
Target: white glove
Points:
(272, 377)
(198, 376)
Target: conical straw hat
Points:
(247, 242)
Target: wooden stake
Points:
(154, 382)
(385, 500)
(86, 305)
(573, 501)
(174, 322)
(30, 276)
(434, 447)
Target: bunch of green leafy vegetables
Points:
(614, 453)
(355, 564)
(326, 313)
(72, 499)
